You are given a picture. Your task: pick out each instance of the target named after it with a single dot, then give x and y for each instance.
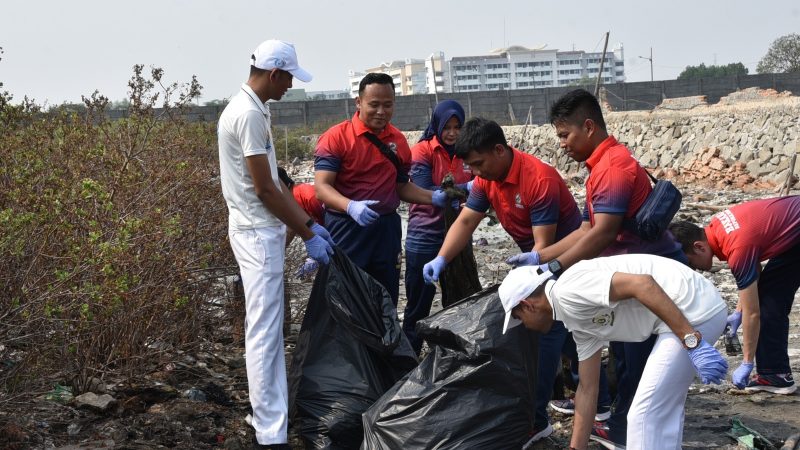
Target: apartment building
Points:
(411, 76)
(518, 67)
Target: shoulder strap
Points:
(390, 155)
(654, 179)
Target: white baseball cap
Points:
(275, 54)
(516, 287)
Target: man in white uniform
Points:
(628, 298)
(260, 209)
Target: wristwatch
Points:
(692, 340)
(555, 267)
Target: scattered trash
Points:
(73, 429)
(60, 394)
(749, 438)
(195, 394)
(732, 345)
(473, 390)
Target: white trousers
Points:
(260, 254)
(655, 419)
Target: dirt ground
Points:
(200, 400)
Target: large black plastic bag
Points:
(350, 350)
(475, 390)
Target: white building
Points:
(411, 76)
(519, 67)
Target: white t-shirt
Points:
(244, 130)
(580, 299)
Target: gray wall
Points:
(511, 107)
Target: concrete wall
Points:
(511, 107)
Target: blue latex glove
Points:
(439, 199)
(360, 212)
(524, 259)
(709, 363)
(734, 321)
(741, 375)
(309, 267)
(319, 230)
(434, 268)
(319, 249)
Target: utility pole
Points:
(602, 62)
(651, 62)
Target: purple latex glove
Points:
(524, 259)
(741, 375)
(709, 363)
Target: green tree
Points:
(703, 71)
(783, 56)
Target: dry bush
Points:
(112, 234)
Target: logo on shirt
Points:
(518, 201)
(392, 146)
(728, 221)
(604, 319)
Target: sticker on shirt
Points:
(604, 319)
(518, 202)
(728, 221)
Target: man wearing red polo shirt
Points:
(615, 190)
(535, 207)
(361, 186)
(745, 235)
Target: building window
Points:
(567, 62)
(497, 66)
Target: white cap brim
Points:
(510, 322)
(301, 74)
(516, 287)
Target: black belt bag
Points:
(657, 211)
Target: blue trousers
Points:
(374, 248)
(419, 295)
(777, 285)
(551, 345)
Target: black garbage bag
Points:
(350, 350)
(474, 390)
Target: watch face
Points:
(690, 340)
(554, 266)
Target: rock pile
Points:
(747, 140)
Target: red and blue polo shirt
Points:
(307, 199)
(430, 163)
(754, 231)
(532, 194)
(618, 185)
(362, 171)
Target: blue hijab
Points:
(441, 114)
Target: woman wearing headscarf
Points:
(432, 158)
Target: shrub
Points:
(113, 234)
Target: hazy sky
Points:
(55, 51)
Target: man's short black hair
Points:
(255, 71)
(479, 135)
(287, 180)
(375, 78)
(687, 233)
(575, 107)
